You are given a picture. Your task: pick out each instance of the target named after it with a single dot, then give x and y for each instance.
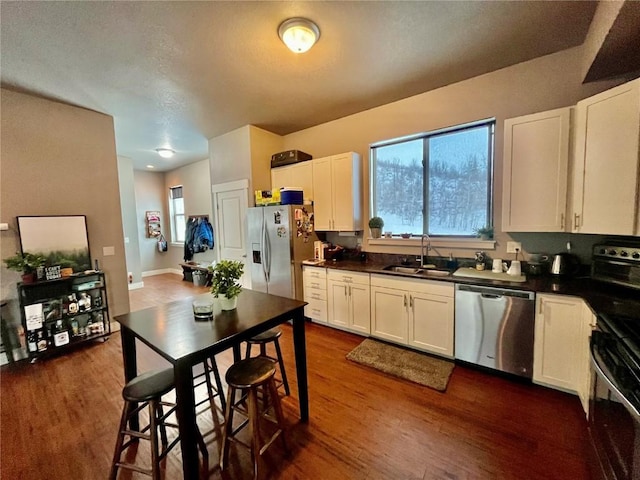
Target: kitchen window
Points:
(176, 210)
(439, 182)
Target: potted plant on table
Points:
(26, 263)
(225, 283)
(375, 226)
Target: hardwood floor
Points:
(59, 418)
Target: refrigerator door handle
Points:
(266, 253)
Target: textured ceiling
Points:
(173, 74)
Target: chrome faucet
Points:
(422, 237)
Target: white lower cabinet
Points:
(348, 301)
(561, 347)
(418, 313)
(431, 323)
(315, 293)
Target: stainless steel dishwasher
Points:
(494, 327)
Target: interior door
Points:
(230, 204)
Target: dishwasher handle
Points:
(493, 292)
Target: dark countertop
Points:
(601, 297)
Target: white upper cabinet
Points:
(536, 160)
(605, 176)
(296, 175)
(337, 187)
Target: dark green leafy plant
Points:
(25, 263)
(226, 274)
(376, 222)
(485, 232)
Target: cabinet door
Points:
(584, 376)
(360, 314)
(280, 177)
(323, 193)
(302, 176)
(346, 194)
(389, 314)
(431, 323)
(606, 162)
(338, 303)
(558, 341)
(536, 160)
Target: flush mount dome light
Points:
(299, 34)
(165, 152)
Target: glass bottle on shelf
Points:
(61, 335)
(32, 341)
(42, 341)
(84, 303)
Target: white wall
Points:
(150, 195)
(195, 179)
(542, 84)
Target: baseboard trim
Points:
(135, 286)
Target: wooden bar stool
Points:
(249, 375)
(147, 390)
(263, 339)
(214, 389)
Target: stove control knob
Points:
(602, 251)
(636, 255)
(612, 252)
(624, 253)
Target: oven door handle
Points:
(605, 374)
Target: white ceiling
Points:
(174, 74)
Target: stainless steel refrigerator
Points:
(280, 238)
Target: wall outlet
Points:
(512, 246)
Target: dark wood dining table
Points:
(171, 330)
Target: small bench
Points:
(188, 269)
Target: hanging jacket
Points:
(188, 239)
(203, 236)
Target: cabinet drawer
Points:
(433, 287)
(314, 273)
(314, 284)
(316, 309)
(348, 277)
(314, 294)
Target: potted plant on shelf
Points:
(26, 263)
(225, 284)
(375, 225)
(485, 233)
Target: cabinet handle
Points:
(345, 291)
(576, 220)
(411, 301)
(405, 300)
(349, 290)
(562, 221)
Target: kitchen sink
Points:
(429, 271)
(397, 269)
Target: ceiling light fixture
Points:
(165, 152)
(299, 34)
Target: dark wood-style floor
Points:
(59, 418)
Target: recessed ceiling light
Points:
(150, 166)
(165, 152)
(299, 34)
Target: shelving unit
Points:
(63, 313)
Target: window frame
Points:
(425, 136)
(173, 215)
